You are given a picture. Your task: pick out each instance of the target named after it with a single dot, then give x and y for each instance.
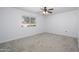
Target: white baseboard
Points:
(63, 35)
(16, 38)
(19, 37)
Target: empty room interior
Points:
(39, 29)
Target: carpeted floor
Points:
(44, 42)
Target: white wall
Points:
(10, 24)
(63, 23)
(78, 26)
(1, 24)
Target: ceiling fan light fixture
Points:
(45, 13)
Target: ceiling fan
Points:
(46, 11)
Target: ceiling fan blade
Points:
(50, 12)
(51, 9)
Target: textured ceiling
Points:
(56, 9)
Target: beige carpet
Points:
(44, 42)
